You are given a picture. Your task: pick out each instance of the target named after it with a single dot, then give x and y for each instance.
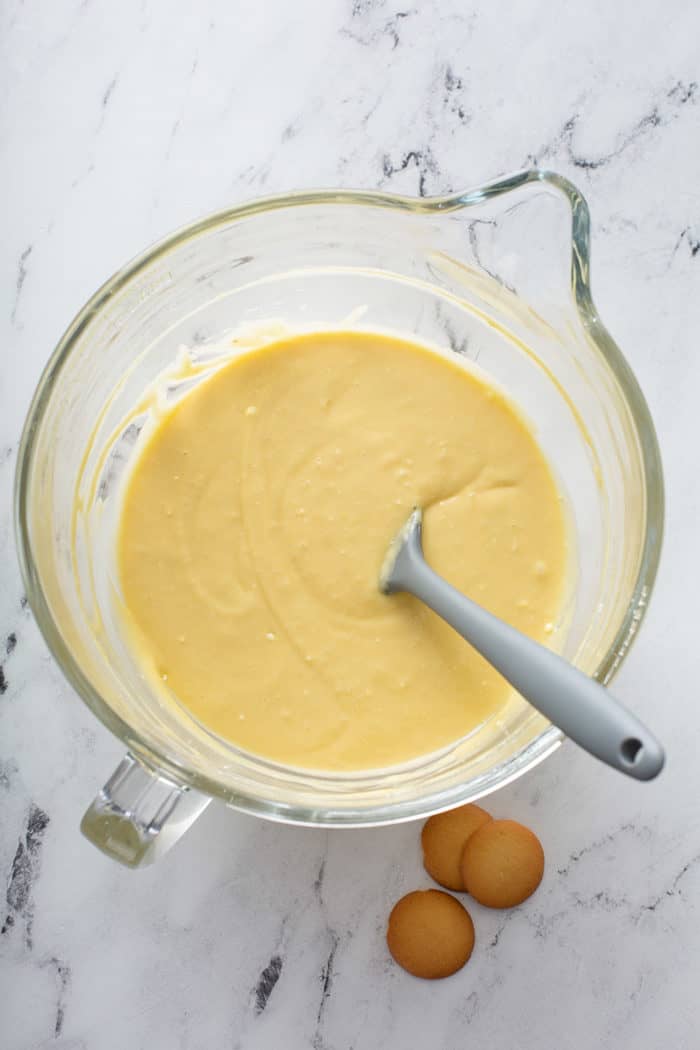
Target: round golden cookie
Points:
(430, 934)
(502, 864)
(443, 838)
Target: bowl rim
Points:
(551, 737)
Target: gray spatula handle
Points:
(580, 706)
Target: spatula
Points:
(582, 708)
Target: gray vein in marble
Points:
(649, 120)
(457, 344)
(682, 93)
(318, 881)
(253, 175)
(659, 115)
(542, 924)
(21, 278)
(624, 829)
(23, 873)
(686, 236)
(267, 981)
(452, 97)
(508, 917)
(672, 890)
(10, 646)
(80, 179)
(603, 900)
(361, 7)
(270, 973)
(177, 123)
(423, 161)
(326, 978)
(476, 250)
(105, 100)
(109, 91)
(290, 131)
(62, 972)
(470, 1007)
(389, 28)
(328, 973)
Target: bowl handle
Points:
(139, 814)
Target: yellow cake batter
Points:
(256, 520)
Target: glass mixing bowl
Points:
(500, 275)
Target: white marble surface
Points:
(121, 121)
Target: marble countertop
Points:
(120, 122)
